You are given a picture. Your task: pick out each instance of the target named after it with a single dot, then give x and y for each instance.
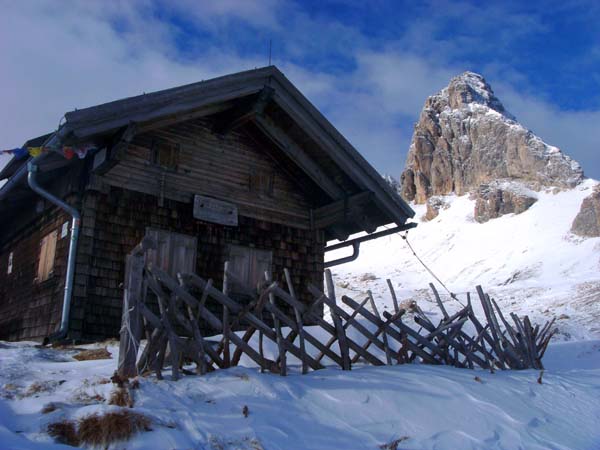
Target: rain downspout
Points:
(33, 169)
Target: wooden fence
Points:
(171, 324)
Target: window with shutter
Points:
(175, 253)
(248, 265)
(165, 154)
(47, 253)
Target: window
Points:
(9, 269)
(248, 266)
(165, 154)
(47, 253)
(261, 182)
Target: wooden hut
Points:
(241, 168)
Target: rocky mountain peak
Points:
(471, 88)
(465, 139)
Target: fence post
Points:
(131, 317)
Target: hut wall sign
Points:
(216, 211)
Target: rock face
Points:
(465, 138)
(587, 221)
(498, 198)
(434, 204)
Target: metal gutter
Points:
(355, 243)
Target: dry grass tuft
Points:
(368, 277)
(121, 397)
(38, 387)
(49, 407)
(118, 379)
(93, 354)
(96, 430)
(64, 432)
(86, 398)
(393, 445)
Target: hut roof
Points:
(330, 161)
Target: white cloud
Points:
(85, 53)
(576, 133)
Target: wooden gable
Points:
(231, 168)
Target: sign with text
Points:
(216, 211)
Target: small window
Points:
(165, 154)
(261, 182)
(9, 269)
(47, 253)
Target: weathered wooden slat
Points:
(298, 317)
(208, 316)
(226, 329)
(277, 326)
(341, 332)
(393, 293)
(360, 328)
(439, 301)
(331, 340)
(388, 356)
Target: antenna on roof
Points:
(270, 48)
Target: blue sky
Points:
(367, 65)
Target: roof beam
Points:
(336, 146)
(342, 210)
(244, 112)
(299, 157)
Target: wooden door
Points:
(248, 265)
(175, 253)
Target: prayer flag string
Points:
(67, 151)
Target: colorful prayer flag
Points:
(35, 151)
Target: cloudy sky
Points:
(367, 65)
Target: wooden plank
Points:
(277, 326)
(287, 344)
(388, 357)
(341, 332)
(346, 325)
(341, 210)
(298, 317)
(299, 157)
(131, 323)
(393, 292)
(212, 320)
(439, 301)
(362, 329)
(338, 148)
(226, 325)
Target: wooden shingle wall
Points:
(29, 308)
(115, 220)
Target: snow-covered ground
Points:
(529, 262)
(427, 407)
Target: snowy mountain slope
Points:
(530, 262)
(427, 407)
